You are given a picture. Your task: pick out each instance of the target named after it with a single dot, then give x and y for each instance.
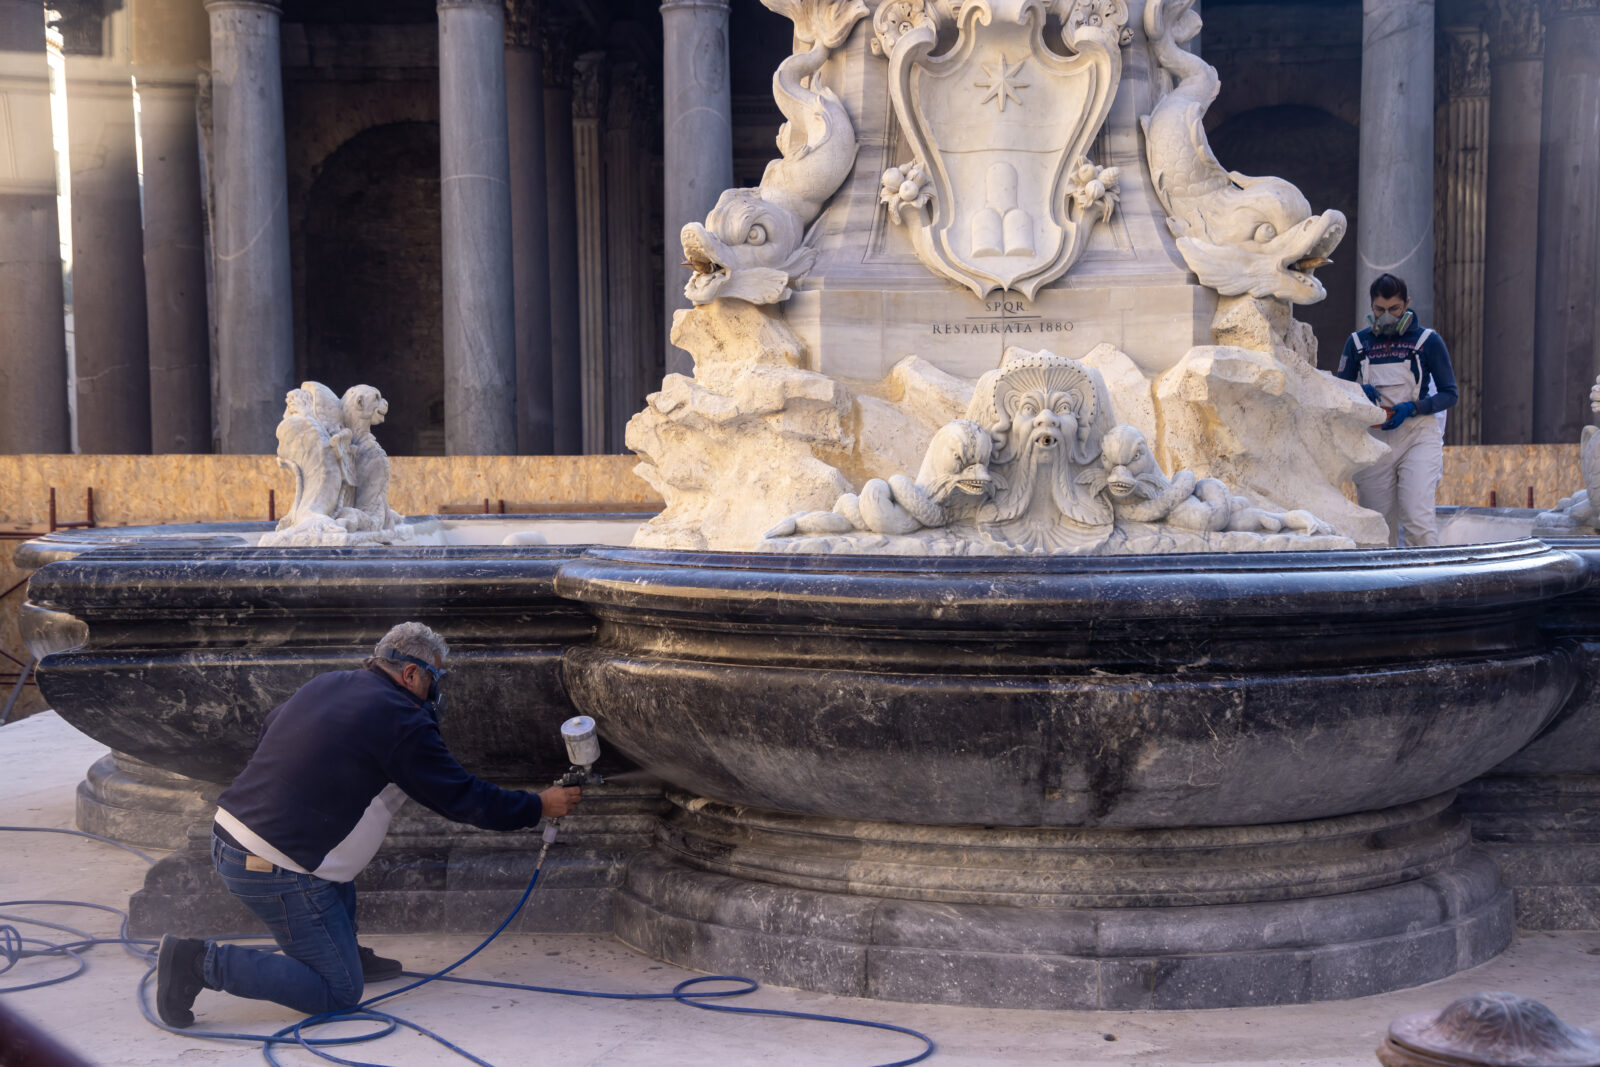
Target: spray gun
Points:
(583, 749)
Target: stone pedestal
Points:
(129, 800)
(1395, 220)
(250, 225)
(1511, 253)
(1061, 918)
(33, 358)
(175, 269)
(697, 128)
(1569, 222)
(110, 342)
(530, 228)
(480, 379)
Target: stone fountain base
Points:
(1068, 918)
(135, 802)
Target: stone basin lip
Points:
(1517, 575)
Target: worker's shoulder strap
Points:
(1355, 339)
(1427, 332)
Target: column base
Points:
(1543, 832)
(131, 801)
(434, 876)
(1079, 919)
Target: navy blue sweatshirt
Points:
(330, 769)
(1430, 360)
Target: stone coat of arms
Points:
(1000, 193)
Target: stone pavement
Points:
(42, 759)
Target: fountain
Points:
(1006, 637)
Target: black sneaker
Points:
(376, 968)
(177, 979)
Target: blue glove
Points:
(1372, 394)
(1402, 411)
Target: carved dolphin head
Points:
(749, 249)
(1129, 468)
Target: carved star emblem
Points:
(1001, 84)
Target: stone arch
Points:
(1318, 152)
(373, 284)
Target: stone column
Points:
(111, 359)
(480, 372)
(530, 228)
(1511, 253)
(1463, 136)
(697, 126)
(33, 346)
(175, 270)
(630, 277)
(588, 97)
(170, 47)
(1395, 225)
(566, 362)
(250, 230)
(1565, 356)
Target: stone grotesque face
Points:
(1131, 472)
(1047, 416)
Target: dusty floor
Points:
(42, 760)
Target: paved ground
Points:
(42, 759)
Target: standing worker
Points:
(1395, 359)
(334, 762)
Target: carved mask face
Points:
(1043, 420)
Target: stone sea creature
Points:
(1141, 492)
(1580, 509)
(752, 245)
(1237, 233)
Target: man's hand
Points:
(559, 800)
(1400, 413)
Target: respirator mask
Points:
(1387, 325)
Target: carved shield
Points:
(998, 122)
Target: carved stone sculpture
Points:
(341, 472)
(752, 245)
(999, 192)
(1237, 233)
(1581, 510)
(1038, 465)
(1491, 1030)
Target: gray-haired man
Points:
(333, 764)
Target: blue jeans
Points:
(314, 922)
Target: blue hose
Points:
(15, 947)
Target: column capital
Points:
(523, 22)
(1516, 30)
(675, 5)
(1468, 61)
(1555, 9)
(559, 44)
(588, 85)
(274, 7)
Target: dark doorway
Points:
(373, 282)
(1318, 153)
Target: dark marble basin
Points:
(1205, 690)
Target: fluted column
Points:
(1464, 144)
(697, 122)
(110, 346)
(33, 347)
(1511, 253)
(566, 360)
(530, 228)
(1395, 214)
(175, 270)
(588, 99)
(480, 373)
(1565, 355)
(630, 278)
(250, 229)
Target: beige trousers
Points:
(1403, 486)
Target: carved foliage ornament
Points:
(1000, 124)
(1469, 61)
(1516, 29)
